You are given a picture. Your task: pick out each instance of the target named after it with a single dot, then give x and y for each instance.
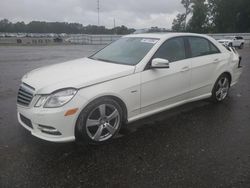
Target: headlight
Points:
(41, 101)
(56, 99)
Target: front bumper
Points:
(49, 124)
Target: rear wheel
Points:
(241, 46)
(100, 121)
(221, 88)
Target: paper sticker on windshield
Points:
(151, 41)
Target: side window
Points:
(213, 49)
(201, 46)
(172, 50)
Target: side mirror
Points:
(159, 63)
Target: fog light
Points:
(49, 130)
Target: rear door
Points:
(205, 57)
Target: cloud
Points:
(137, 14)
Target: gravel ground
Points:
(195, 145)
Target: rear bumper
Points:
(237, 73)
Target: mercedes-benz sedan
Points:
(91, 98)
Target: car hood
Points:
(77, 74)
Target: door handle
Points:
(216, 61)
(185, 69)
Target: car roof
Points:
(164, 35)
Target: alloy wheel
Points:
(103, 122)
(222, 89)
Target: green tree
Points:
(5, 26)
(187, 6)
(199, 21)
(20, 27)
(224, 16)
(231, 15)
(180, 22)
(122, 30)
(59, 27)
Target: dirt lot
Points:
(196, 145)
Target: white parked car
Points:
(233, 41)
(136, 76)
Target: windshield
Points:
(127, 50)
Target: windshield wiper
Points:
(109, 61)
(105, 60)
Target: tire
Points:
(230, 44)
(221, 88)
(241, 46)
(99, 122)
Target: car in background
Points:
(233, 41)
(90, 99)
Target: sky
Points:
(131, 13)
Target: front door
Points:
(166, 86)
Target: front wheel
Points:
(221, 88)
(99, 122)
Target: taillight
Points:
(239, 65)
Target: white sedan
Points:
(233, 41)
(139, 75)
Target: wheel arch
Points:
(117, 99)
(225, 73)
(229, 76)
(122, 104)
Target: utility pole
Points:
(114, 26)
(98, 11)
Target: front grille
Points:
(26, 121)
(25, 94)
